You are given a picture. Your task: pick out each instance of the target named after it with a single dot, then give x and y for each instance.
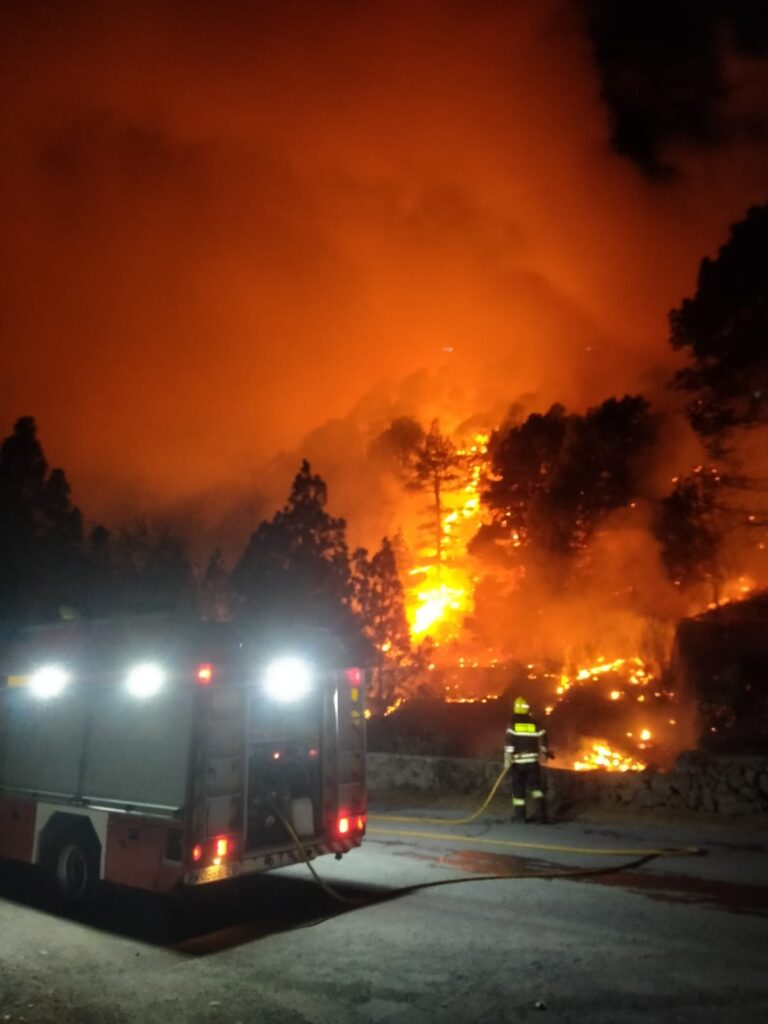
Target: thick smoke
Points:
(223, 223)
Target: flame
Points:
(437, 596)
(619, 677)
(394, 706)
(599, 754)
(734, 590)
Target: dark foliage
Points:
(690, 528)
(555, 476)
(721, 660)
(379, 602)
(49, 570)
(42, 566)
(296, 566)
(724, 329)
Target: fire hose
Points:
(639, 857)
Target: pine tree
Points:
(724, 328)
(296, 566)
(379, 602)
(436, 465)
(690, 526)
(42, 566)
(216, 590)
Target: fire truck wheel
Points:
(73, 867)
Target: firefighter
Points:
(525, 745)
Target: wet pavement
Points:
(509, 938)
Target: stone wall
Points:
(703, 783)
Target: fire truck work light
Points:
(287, 679)
(48, 681)
(145, 680)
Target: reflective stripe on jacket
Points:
(525, 741)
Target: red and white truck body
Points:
(157, 755)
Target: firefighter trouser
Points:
(526, 777)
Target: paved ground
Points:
(679, 939)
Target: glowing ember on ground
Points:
(394, 706)
(628, 671)
(600, 755)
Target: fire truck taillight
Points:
(197, 853)
(222, 847)
(205, 674)
(346, 825)
(354, 676)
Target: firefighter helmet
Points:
(522, 707)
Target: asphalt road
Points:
(675, 939)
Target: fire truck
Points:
(162, 755)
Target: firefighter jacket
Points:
(525, 742)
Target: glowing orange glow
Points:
(222, 847)
(600, 755)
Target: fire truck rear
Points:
(159, 755)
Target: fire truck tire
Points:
(72, 865)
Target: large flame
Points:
(439, 595)
(600, 754)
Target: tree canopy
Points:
(724, 330)
(555, 476)
(41, 531)
(296, 566)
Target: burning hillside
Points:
(507, 562)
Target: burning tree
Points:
(430, 462)
(435, 466)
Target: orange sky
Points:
(225, 224)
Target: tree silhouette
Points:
(690, 528)
(296, 566)
(379, 602)
(724, 327)
(216, 590)
(41, 561)
(555, 476)
(148, 571)
(523, 465)
(435, 465)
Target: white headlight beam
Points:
(287, 679)
(48, 681)
(145, 680)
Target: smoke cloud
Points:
(226, 225)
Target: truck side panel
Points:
(138, 750)
(41, 746)
(144, 854)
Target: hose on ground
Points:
(642, 857)
(448, 821)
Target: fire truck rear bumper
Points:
(254, 863)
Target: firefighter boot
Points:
(518, 811)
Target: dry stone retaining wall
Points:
(704, 783)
